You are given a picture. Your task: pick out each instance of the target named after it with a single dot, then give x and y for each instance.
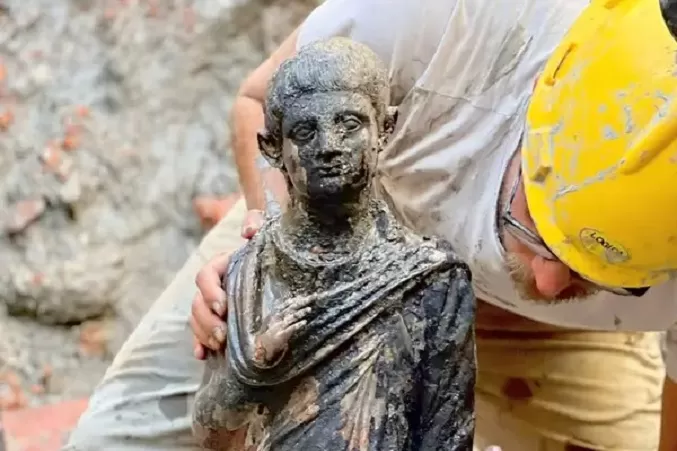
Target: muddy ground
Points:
(113, 137)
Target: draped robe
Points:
(386, 360)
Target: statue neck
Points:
(327, 229)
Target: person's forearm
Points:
(669, 417)
(246, 121)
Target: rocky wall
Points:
(113, 126)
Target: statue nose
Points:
(331, 146)
(669, 13)
(329, 155)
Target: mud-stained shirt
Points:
(462, 73)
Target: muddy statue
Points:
(346, 331)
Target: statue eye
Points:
(352, 123)
(303, 133)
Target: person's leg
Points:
(144, 400)
(568, 391)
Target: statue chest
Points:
(368, 383)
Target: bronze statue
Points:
(346, 331)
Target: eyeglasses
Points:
(535, 243)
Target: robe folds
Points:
(386, 360)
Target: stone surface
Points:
(113, 121)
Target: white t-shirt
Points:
(462, 72)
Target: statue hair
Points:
(330, 65)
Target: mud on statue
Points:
(346, 331)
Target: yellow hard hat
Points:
(599, 155)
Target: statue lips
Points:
(335, 170)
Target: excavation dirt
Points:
(114, 146)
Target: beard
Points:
(525, 284)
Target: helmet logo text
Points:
(596, 243)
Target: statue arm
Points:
(448, 366)
(257, 342)
(242, 284)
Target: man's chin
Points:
(529, 292)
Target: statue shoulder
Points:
(443, 250)
(434, 250)
(248, 253)
(440, 250)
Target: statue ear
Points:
(389, 125)
(270, 147)
(391, 120)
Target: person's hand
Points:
(253, 221)
(209, 303)
(209, 307)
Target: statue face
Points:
(330, 145)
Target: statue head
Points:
(327, 117)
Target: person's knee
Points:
(85, 438)
(154, 421)
(143, 402)
(144, 399)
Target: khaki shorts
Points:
(558, 391)
(569, 391)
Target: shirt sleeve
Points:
(405, 34)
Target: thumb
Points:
(252, 223)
